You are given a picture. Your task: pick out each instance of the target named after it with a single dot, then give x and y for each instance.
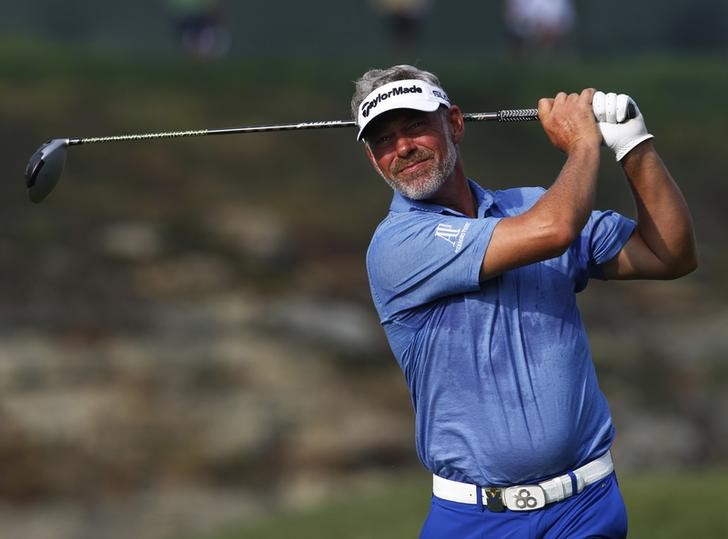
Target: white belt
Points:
(526, 497)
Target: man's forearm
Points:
(571, 198)
(550, 226)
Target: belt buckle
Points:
(524, 498)
(494, 499)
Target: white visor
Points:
(400, 94)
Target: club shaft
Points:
(511, 115)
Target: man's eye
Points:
(382, 141)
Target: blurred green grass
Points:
(666, 506)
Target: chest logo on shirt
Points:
(454, 236)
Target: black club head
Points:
(44, 168)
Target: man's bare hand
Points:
(568, 120)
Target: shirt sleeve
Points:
(604, 235)
(416, 258)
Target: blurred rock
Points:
(654, 442)
(162, 512)
(342, 325)
(131, 241)
(698, 339)
(359, 438)
(192, 273)
(251, 232)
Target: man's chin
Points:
(416, 192)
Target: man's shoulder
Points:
(405, 219)
(397, 226)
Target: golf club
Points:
(45, 166)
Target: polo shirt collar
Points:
(483, 198)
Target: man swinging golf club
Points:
(476, 288)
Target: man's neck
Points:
(456, 194)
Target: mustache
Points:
(420, 154)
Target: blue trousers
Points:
(598, 511)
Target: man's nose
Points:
(405, 146)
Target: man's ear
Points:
(457, 123)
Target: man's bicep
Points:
(634, 261)
(518, 241)
(502, 250)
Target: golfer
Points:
(475, 289)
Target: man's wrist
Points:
(585, 146)
(635, 156)
(622, 151)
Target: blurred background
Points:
(188, 349)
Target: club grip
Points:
(524, 115)
(518, 115)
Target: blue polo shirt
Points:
(500, 372)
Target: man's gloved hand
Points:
(621, 136)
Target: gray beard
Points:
(426, 186)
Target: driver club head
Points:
(44, 168)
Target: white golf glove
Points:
(619, 135)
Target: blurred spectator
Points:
(539, 25)
(404, 18)
(201, 32)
